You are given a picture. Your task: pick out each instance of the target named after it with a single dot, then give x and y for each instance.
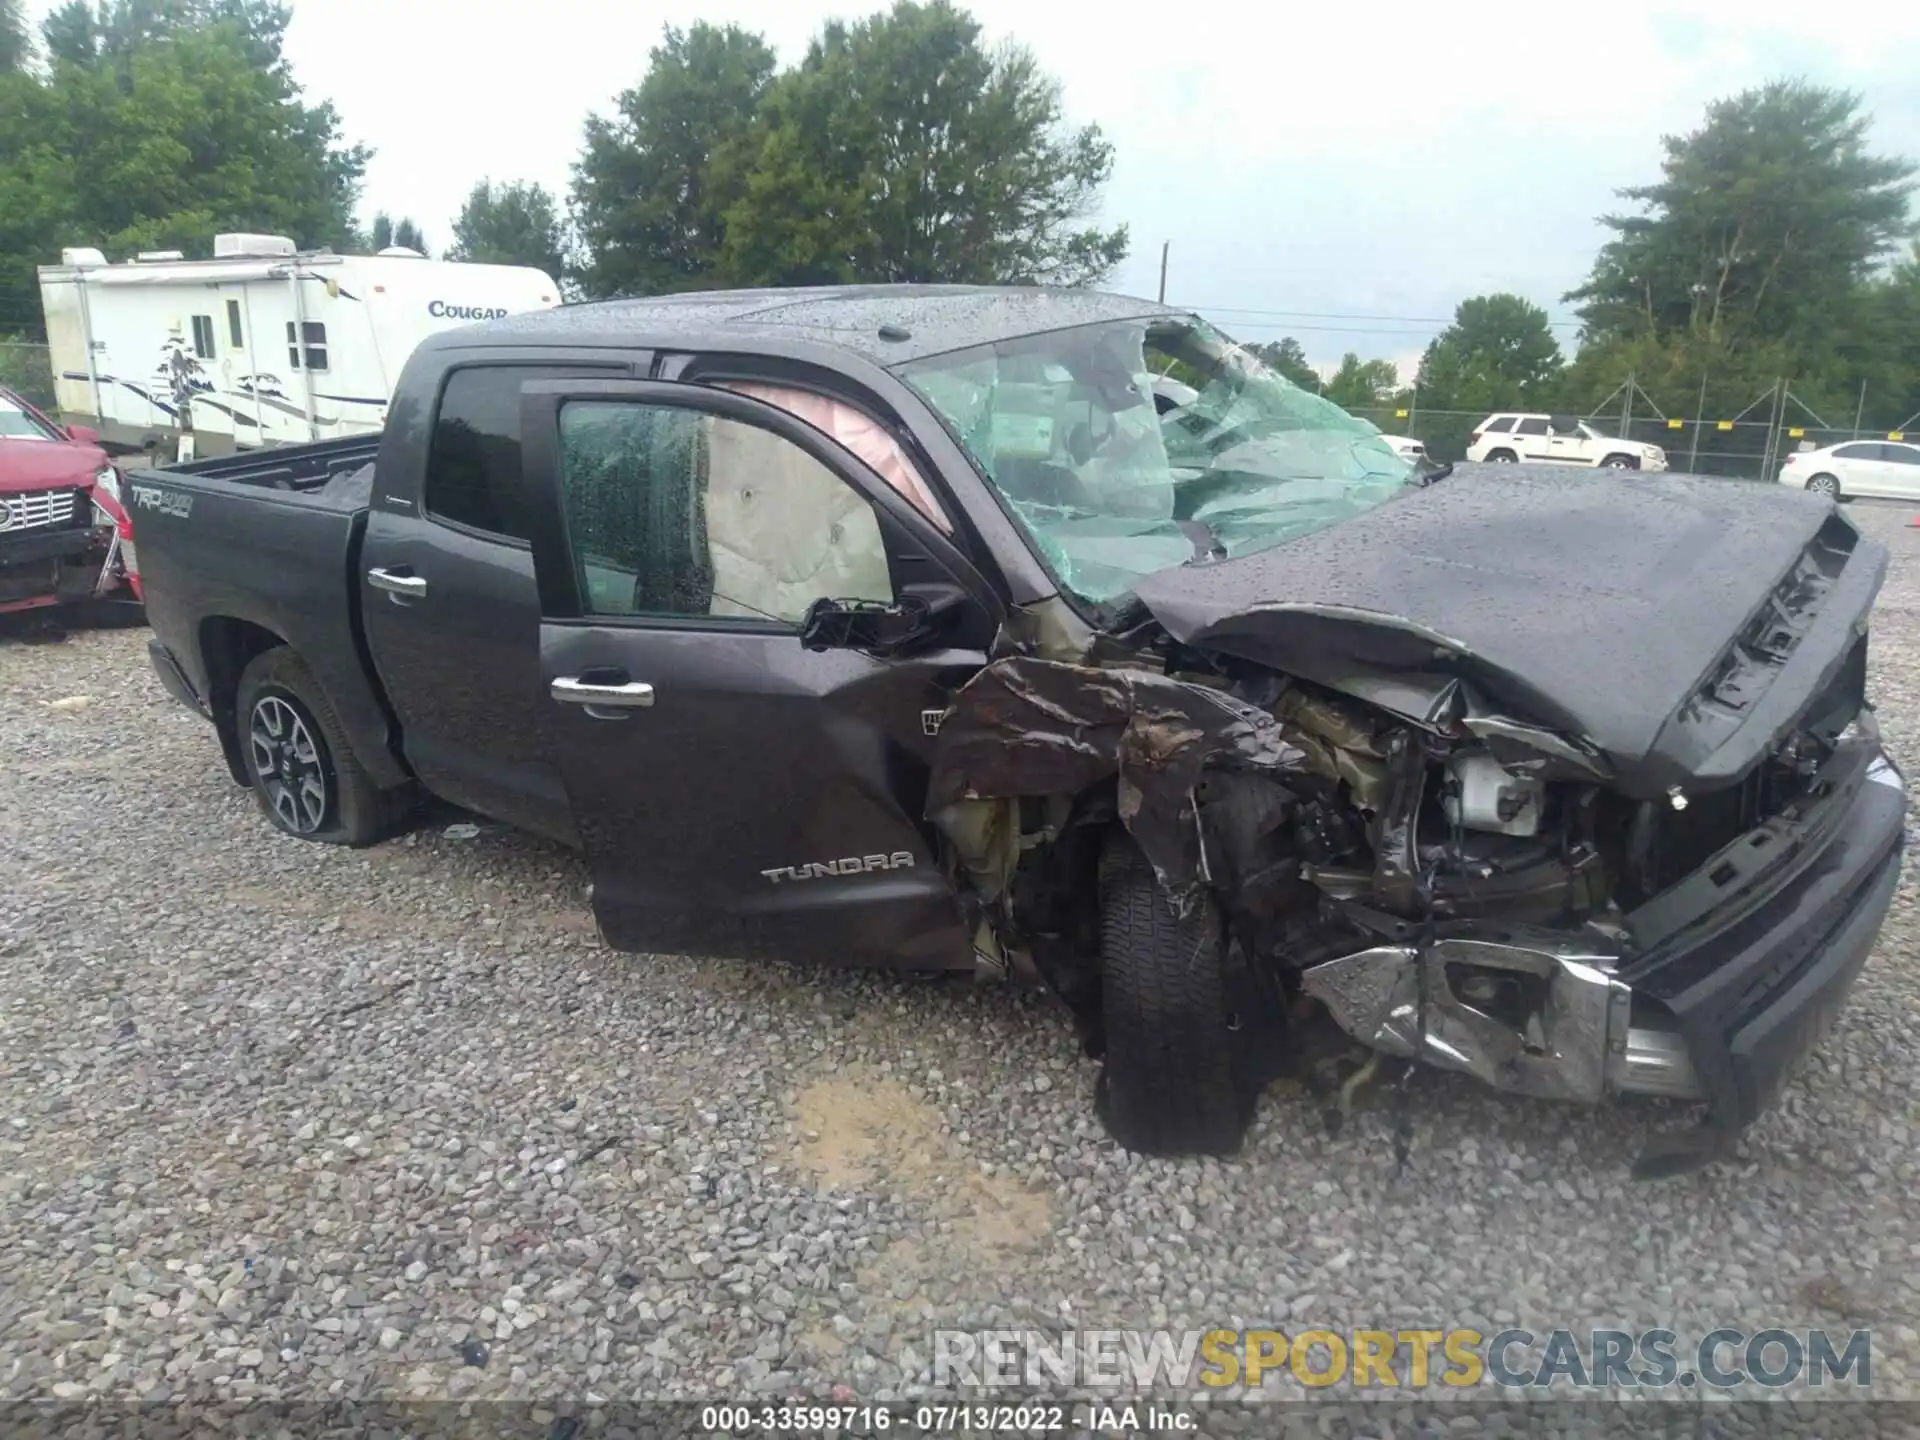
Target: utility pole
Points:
(1776, 415)
(1164, 246)
(1860, 410)
(1693, 455)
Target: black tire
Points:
(1825, 484)
(1618, 462)
(1169, 1084)
(1501, 457)
(288, 728)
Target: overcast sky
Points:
(1306, 160)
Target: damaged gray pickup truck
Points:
(1048, 634)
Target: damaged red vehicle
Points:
(898, 626)
(56, 545)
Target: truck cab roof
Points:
(886, 325)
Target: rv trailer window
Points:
(235, 337)
(315, 348)
(203, 336)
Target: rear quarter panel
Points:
(213, 550)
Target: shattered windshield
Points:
(1128, 447)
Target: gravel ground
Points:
(282, 1120)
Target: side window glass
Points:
(473, 460)
(1900, 454)
(1532, 425)
(676, 513)
(1857, 452)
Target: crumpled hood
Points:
(48, 464)
(1592, 605)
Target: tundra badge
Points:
(852, 865)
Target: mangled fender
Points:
(1024, 726)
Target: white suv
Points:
(1557, 440)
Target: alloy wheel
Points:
(290, 765)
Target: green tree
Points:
(83, 32)
(1361, 384)
(654, 180)
(1499, 353)
(70, 34)
(902, 149)
(162, 139)
(1764, 222)
(387, 232)
(1287, 357)
(511, 224)
(16, 45)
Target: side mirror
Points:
(86, 435)
(866, 625)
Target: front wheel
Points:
(1827, 485)
(302, 767)
(1618, 462)
(1170, 1085)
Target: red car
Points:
(63, 533)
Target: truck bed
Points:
(270, 541)
(301, 468)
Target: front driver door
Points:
(1900, 469)
(737, 793)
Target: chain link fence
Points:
(1741, 449)
(26, 368)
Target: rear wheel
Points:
(1501, 457)
(302, 768)
(1169, 1086)
(1828, 485)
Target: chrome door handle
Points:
(570, 690)
(411, 587)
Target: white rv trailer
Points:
(258, 346)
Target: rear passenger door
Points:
(1531, 438)
(736, 792)
(452, 613)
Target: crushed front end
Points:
(1454, 879)
(51, 549)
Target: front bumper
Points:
(48, 564)
(1749, 993)
(1713, 990)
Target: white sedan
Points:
(1884, 468)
